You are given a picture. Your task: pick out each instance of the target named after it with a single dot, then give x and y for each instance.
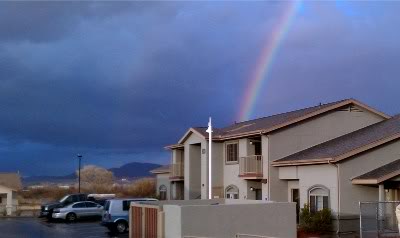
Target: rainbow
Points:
(265, 62)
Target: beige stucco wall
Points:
(196, 167)
(351, 194)
(327, 174)
(217, 168)
(314, 175)
(307, 134)
(172, 221)
(231, 171)
(193, 166)
(163, 179)
(9, 200)
(229, 220)
(309, 176)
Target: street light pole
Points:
(79, 173)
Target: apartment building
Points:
(292, 157)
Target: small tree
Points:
(319, 222)
(96, 179)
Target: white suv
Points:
(116, 213)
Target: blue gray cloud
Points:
(117, 81)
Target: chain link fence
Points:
(378, 219)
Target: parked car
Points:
(47, 209)
(100, 198)
(78, 210)
(116, 213)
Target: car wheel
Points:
(71, 217)
(121, 226)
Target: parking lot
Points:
(38, 228)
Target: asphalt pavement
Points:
(41, 228)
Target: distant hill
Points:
(134, 170)
(130, 170)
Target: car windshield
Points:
(64, 199)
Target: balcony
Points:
(177, 172)
(251, 167)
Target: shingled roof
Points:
(11, 180)
(273, 122)
(380, 174)
(161, 170)
(347, 145)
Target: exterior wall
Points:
(309, 176)
(351, 194)
(217, 170)
(9, 200)
(229, 220)
(325, 175)
(231, 171)
(177, 156)
(172, 221)
(193, 157)
(163, 179)
(196, 168)
(265, 154)
(307, 134)
(293, 184)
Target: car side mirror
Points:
(99, 206)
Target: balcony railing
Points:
(251, 166)
(177, 171)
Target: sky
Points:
(118, 81)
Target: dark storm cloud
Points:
(119, 80)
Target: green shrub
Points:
(318, 222)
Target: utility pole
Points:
(79, 173)
(209, 130)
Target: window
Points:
(232, 152)
(232, 192)
(126, 204)
(91, 204)
(79, 205)
(82, 197)
(318, 198)
(163, 192)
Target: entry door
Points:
(296, 199)
(258, 194)
(257, 148)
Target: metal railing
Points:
(251, 166)
(378, 219)
(177, 170)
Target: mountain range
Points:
(130, 170)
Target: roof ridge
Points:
(296, 110)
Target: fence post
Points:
(143, 211)
(377, 220)
(361, 234)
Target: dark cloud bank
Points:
(118, 81)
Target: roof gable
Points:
(347, 145)
(272, 123)
(11, 180)
(379, 175)
(165, 169)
